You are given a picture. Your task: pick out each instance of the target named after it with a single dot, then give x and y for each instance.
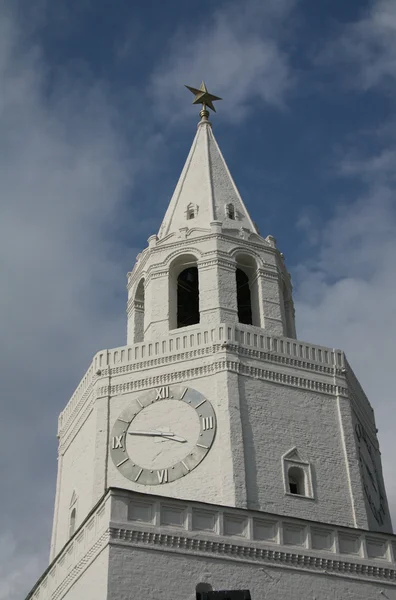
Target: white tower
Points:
(215, 437)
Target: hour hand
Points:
(170, 436)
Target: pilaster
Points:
(217, 294)
(271, 301)
(157, 315)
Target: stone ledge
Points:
(136, 519)
(251, 554)
(243, 533)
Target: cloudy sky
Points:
(94, 128)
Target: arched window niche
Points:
(72, 513)
(72, 521)
(139, 312)
(296, 481)
(191, 211)
(230, 211)
(184, 292)
(247, 290)
(297, 475)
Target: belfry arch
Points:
(247, 290)
(184, 292)
(139, 312)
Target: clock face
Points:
(371, 479)
(163, 435)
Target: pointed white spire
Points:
(205, 191)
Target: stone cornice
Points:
(72, 427)
(188, 344)
(250, 553)
(223, 364)
(270, 357)
(179, 243)
(219, 261)
(268, 273)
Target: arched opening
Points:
(201, 590)
(72, 522)
(138, 308)
(191, 211)
(244, 300)
(247, 290)
(230, 211)
(183, 291)
(288, 312)
(188, 297)
(296, 481)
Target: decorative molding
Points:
(68, 414)
(216, 367)
(184, 249)
(249, 553)
(69, 433)
(294, 456)
(134, 305)
(57, 579)
(156, 275)
(247, 251)
(267, 274)
(260, 246)
(81, 566)
(217, 262)
(234, 347)
(271, 357)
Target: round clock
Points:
(162, 435)
(371, 480)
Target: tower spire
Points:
(205, 191)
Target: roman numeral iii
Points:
(207, 423)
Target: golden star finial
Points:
(203, 97)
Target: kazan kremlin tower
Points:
(217, 456)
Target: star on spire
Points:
(202, 96)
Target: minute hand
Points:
(170, 436)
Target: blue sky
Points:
(95, 126)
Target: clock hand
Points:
(176, 438)
(171, 436)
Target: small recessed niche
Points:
(230, 211)
(191, 211)
(297, 475)
(296, 481)
(72, 513)
(72, 521)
